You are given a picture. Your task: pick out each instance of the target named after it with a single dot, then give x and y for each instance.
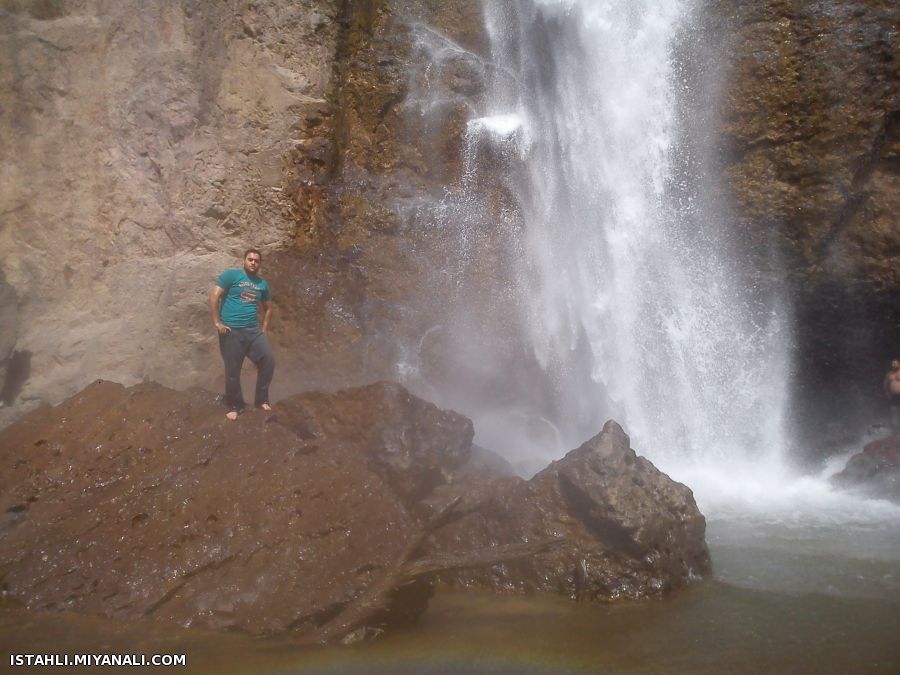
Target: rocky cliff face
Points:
(809, 141)
(144, 147)
(364, 277)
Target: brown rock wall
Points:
(810, 96)
(808, 125)
(366, 273)
(143, 145)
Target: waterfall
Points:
(629, 293)
(595, 274)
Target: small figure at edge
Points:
(892, 391)
(237, 322)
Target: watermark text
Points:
(98, 660)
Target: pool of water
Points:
(806, 580)
(784, 599)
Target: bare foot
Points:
(231, 415)
(266, 406)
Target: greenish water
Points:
(784, 600)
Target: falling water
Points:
(630, 301)
(630, 291)
(629, 297)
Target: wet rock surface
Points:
(628, 530)
(807, 142)
(328, 518)
(875, 470)
(366, 278)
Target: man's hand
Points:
(215, 297)
(266, 308)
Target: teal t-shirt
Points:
(242, 296)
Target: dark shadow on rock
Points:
(18, 369)
(606, 530)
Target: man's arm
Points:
(266, 308)
(215, 298)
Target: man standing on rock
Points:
(236, 318)
(892, 391)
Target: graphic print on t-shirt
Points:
(242, 297)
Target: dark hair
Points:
(252, 250)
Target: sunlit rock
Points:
(628, 530)
(143, 150)
(327, 518)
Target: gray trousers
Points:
(253, 344)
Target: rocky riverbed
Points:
(329, 518)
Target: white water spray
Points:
(631, 297)
(632, 303)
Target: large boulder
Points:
(629, 531)
(413, 445)
(145, 502)
(327, 518)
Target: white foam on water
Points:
(774, 529)
(776, 494)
